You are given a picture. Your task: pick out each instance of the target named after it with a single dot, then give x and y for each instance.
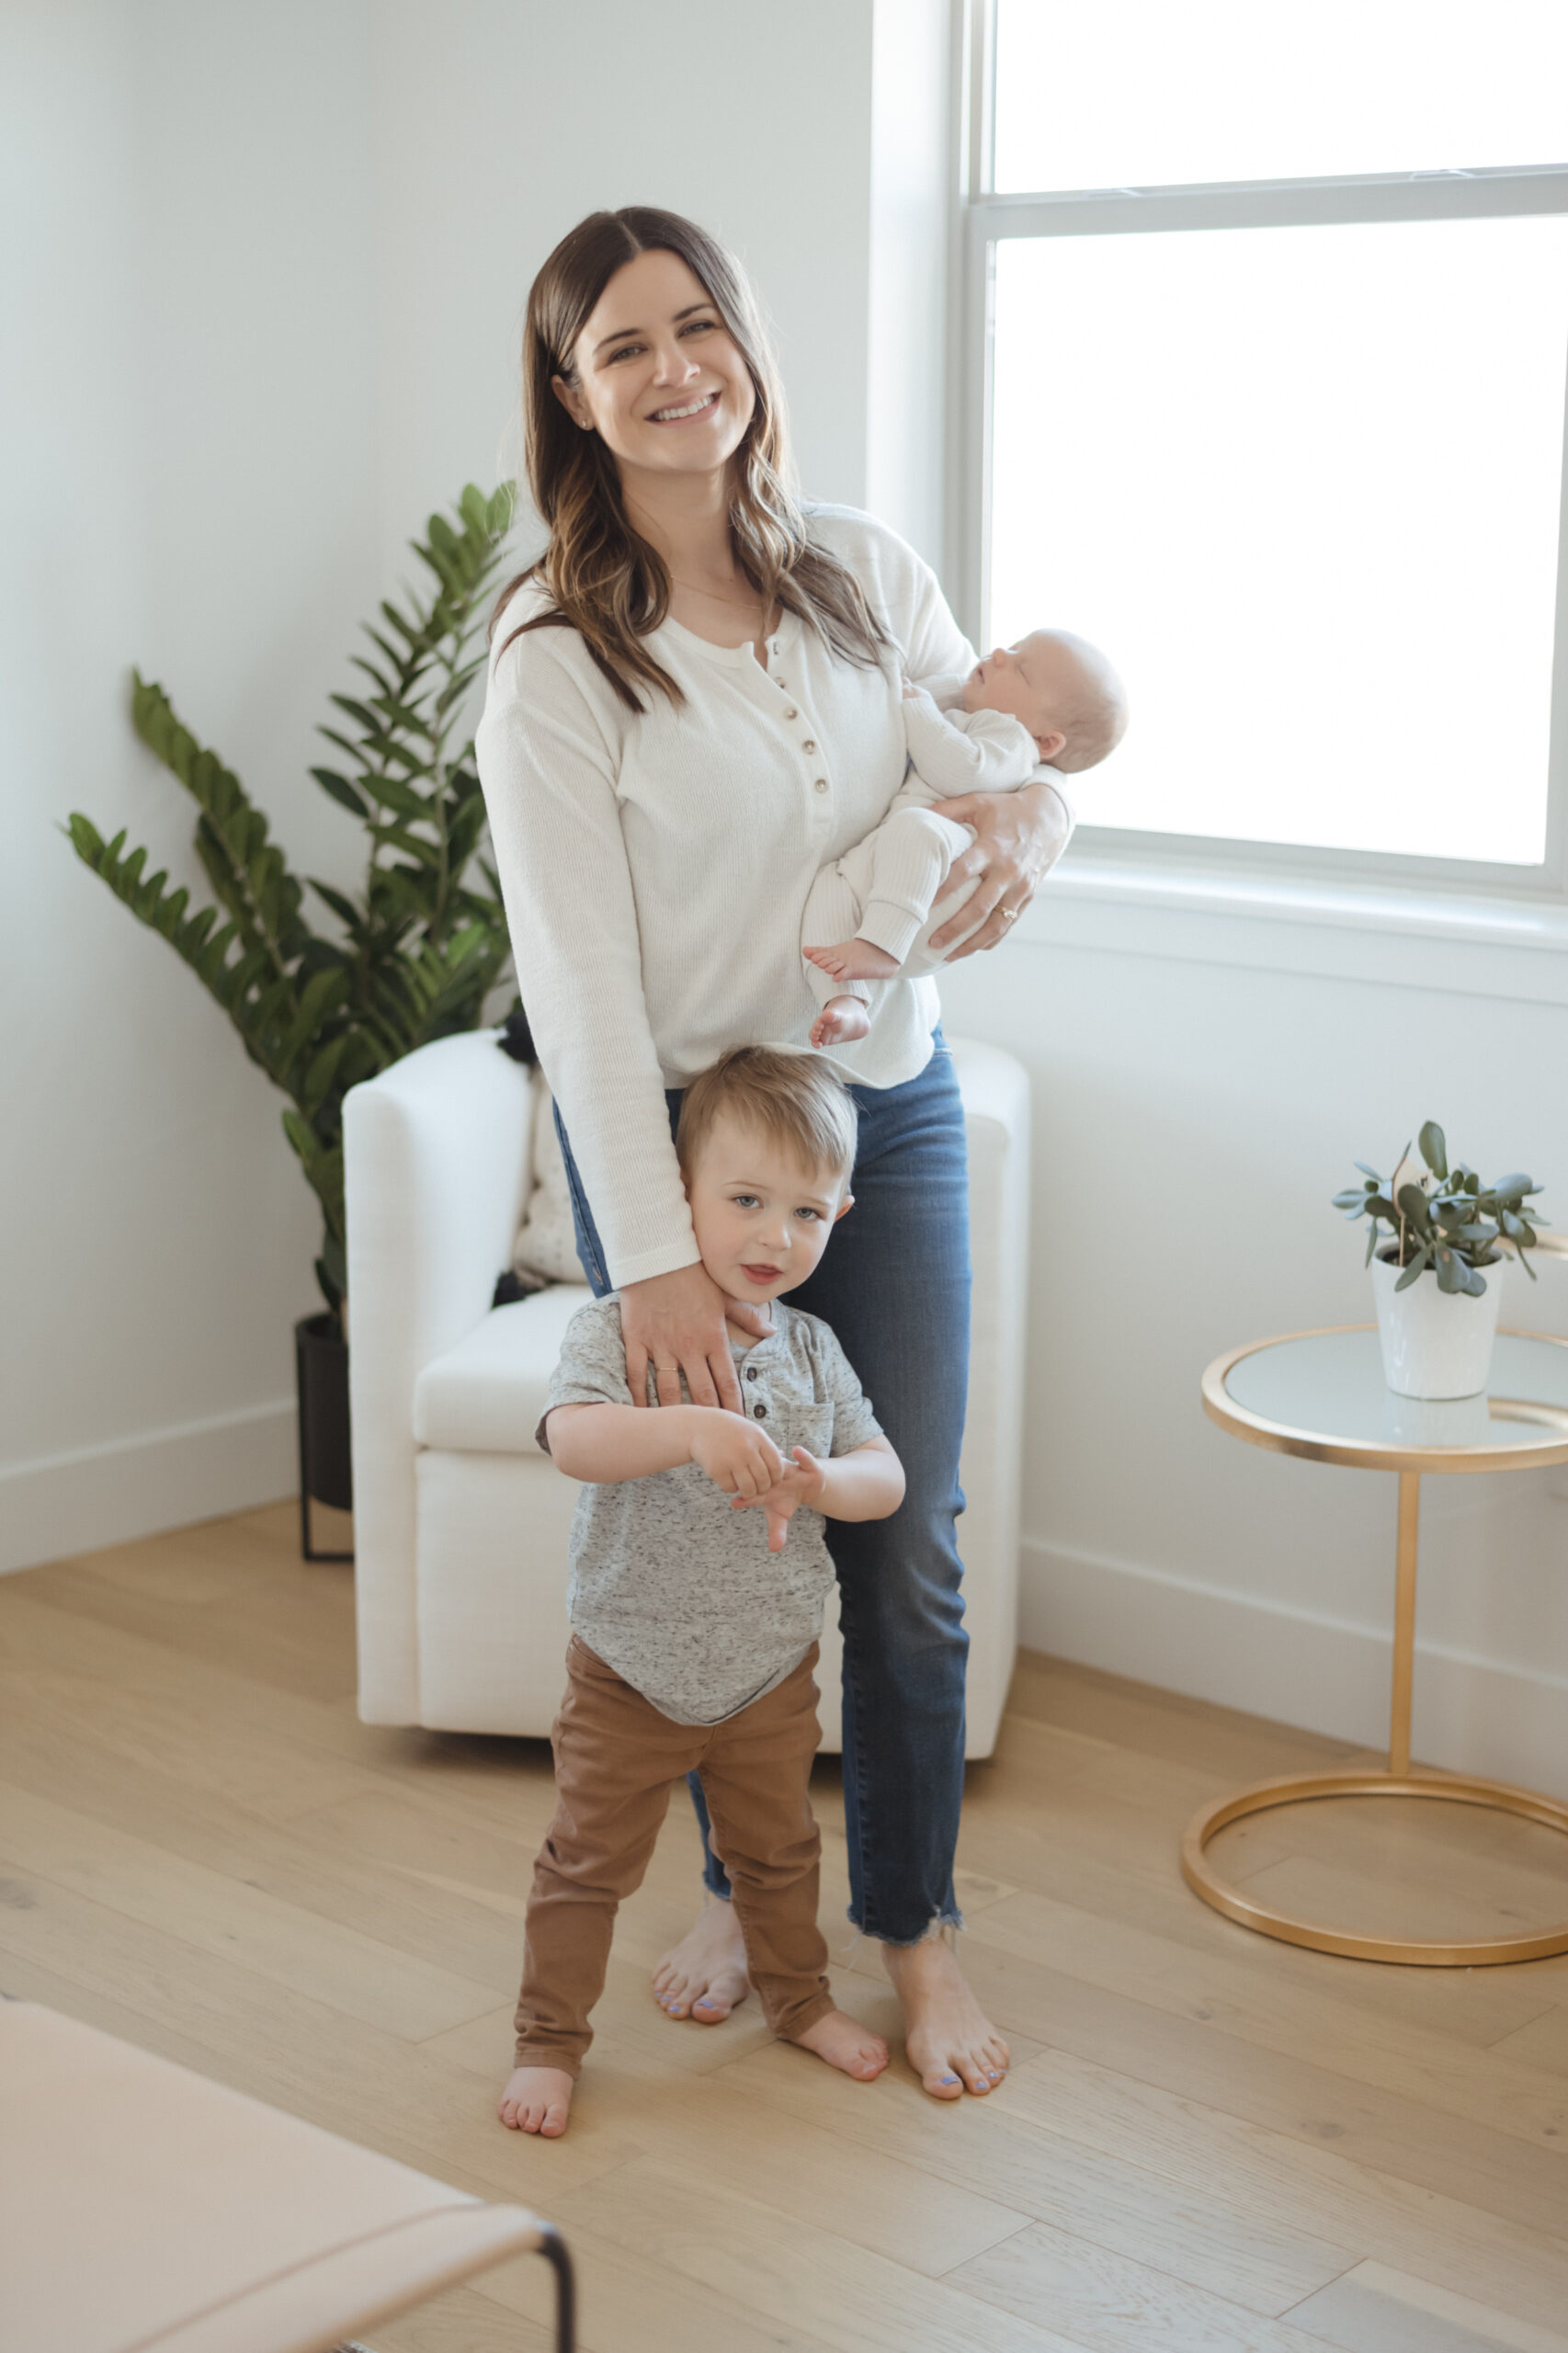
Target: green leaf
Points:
(1414, 1208)
(322, 1069)
(322, 995)
(1450, 1272)
(1434, 1149)
(367, 718)
(1417, 1267)
(399, 837)
(391, 792)
(343, 908)
(339, 788)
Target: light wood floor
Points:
(1209, 2140)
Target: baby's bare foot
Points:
(853, 959)
(853, 2048)
(537, 2099)
(950, 2042)
(705, 1975)
(840, 1022)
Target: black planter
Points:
(321, 1372)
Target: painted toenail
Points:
(949, 2079)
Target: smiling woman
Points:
(669, 374)
(695, 704)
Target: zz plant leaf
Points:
(420, 949)
(1448, 1221)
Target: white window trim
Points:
(1272, 877)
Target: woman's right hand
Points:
(675, 1323)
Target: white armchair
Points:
(460, 1524)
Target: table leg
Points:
(1403, 1623)
(1292, 1788)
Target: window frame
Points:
(984, 220)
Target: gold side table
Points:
(1322, 1395)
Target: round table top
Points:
(1322, 1394)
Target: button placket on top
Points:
(819, 786)
(759, 1405)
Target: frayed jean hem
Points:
(941, 1924)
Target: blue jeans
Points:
(894, 1284)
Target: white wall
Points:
(1202, 1083)
(266, 270)
(498, 125)
(190, 463)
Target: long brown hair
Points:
(603, 577)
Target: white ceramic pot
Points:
(1436, 1343)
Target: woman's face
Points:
(660, 377)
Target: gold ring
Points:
(1009, 915)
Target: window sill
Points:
(1407, 936)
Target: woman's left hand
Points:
(1018, 838)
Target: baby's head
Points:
(766, 1144)
(1062, 688)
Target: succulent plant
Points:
(1447, 1220)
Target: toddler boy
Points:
(1053, 697)
(698, 1573)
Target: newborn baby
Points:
(1053, 697)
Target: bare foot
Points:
(853, 2048)
(949, 2039)
(853, 959)
(840, 1022)
(705, 1975)
(537, 2099)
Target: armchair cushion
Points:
(485, 1395)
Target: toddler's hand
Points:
(736, 1456)
(801, 1481)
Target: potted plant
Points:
(1445, 1225)
(414, 956)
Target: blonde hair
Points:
(1086, 699)
(794, 1100)
(603, 578)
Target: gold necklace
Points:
(713, 594)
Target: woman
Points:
(693, 705)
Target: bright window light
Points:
(1303, 485)
(1149, 93)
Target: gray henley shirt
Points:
(670, 1585)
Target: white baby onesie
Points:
(884, 889)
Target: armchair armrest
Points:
(435, 1157)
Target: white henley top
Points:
(655, 866)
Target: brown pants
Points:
(615, 1760)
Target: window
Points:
(1269, 342)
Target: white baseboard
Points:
(1471, 1714)
(134, 1486)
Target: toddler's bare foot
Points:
(853, 2048)
(853, 959)
(840, 1022)
(705, 1975)
(949, 2039)
(537, 2099)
